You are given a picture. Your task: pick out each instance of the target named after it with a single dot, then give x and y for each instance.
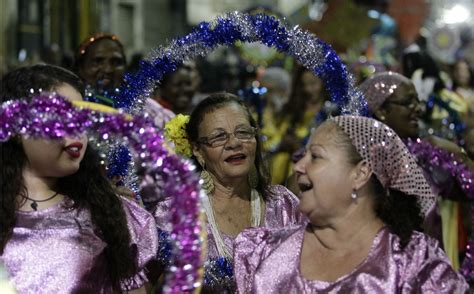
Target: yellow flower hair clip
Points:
(175, 131)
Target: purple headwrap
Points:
(379, 87)
(388, 157)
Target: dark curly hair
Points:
(399, 211)
(216, 101)
(88, 187)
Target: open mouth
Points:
(74, 149)
(305, 187)
(235, 158)
(414, 122)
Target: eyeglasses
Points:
(243, 134)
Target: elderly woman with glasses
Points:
(228, 153)
(393, 99)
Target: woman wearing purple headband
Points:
(392, 99)
(365, 198)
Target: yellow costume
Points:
(280, 162)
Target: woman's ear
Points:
(362, 174)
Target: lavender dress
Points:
(58, 250)
(280, 210)
(268, 261)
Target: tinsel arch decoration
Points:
(307, 49)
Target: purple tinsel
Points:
(431, 155)
(50, 116)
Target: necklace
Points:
(256, 219)
(34, 203)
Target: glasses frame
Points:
(205, 140)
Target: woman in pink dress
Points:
(227, 150)
(62, 227)
(365, 197)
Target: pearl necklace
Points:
(256, 220)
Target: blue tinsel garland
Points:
(310, 51)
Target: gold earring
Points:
(207, 182)
(253, 177)
(200, 160)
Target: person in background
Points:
(446, 113)
(463, 84)
(393, 100)
(278, 84)
(101, 63)
(176, 90)
(365, 198)
(293, 122)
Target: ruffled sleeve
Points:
(144, 241)
(428, 270)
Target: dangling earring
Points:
(253, 177)
(382, 118)
(207, 182)
(354, 195)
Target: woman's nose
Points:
(233, 141)
(418, 108)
